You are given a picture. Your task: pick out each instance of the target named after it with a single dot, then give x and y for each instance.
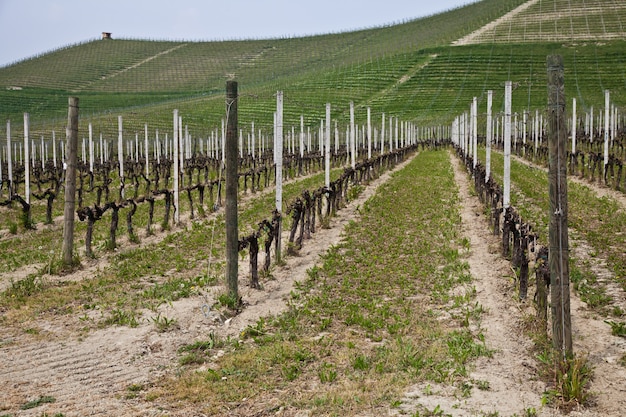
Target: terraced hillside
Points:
(556, 21)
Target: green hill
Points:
(426, 70)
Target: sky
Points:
(33, 27)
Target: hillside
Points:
(426, 70)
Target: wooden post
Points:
(369, 133)
(71, 143)
(120, 153)
(506, 193)
(9, 161)
(489, 135)
(146, 150)
(27, 159)
(607, 101)
(278, 155)
(352, 137)
(559, 249)
(232, 181)
(90, 148)
(176, 161)
(327, 148)
(474, 132)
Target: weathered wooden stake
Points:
(176, 167)
(327, 148)
(278, 155)
(559, 245)
(9, 160)
(70, 180)
(27, 159)
(489, 134)
(231, 164)
(506, 196)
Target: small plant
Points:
(122, 318)
(354, 191)
(133, 390)
(483, 385)
(13, 228)
(27, 221)
(530, 412)
(229, 301)
(327, 373)
(163, 323)
(36, 403)
(617, 329)
(26, 287)
(571, 377)
(58, 267)
(361, 363)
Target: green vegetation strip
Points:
(375, 317)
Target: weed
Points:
(163, 323)
(26, 287)
(214, 342)
(133, 390)
(361, 363)
(291, 372)
(122, 318)
(354, 191)
(39, 401)
(571, 377)
(227, 300)
(193, 358)
(13, 228)
(27, 221)
(617, 329)
(327, 373)
(59, 267)
(483, 385)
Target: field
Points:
(393, 296)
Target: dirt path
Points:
(511, 372)
(96, 374)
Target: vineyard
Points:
(393, 222)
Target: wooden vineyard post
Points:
(607, 111)
(489, 135)
(176, 167)
(559, 249)
(278, 155)
(232, 180)
(71, 143)
(27, 166)
(474, 125)
(9, 161)
(506, 199)
(352, 137)
(573, 157)
(506, 193)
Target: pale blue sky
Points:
(31, 27)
